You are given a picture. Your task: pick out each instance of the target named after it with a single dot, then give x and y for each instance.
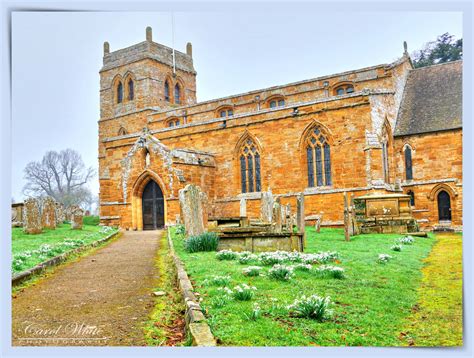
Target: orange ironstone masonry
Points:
(204, 148)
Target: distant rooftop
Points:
(432, 100)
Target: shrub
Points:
(383, 258)
(302, 267)
(252, 271)
(226, 255)
(281, 272)
(180, 230)
(91, 220)
(246, 257)
(243, 292)
(407, 240)
(331, 271)
(207, 241)
(314, 307)
(217, 281)
(396, 247)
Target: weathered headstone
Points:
(17, 215)
(32, 216)
(300, 213)
(77, 217)
(317, 223)
(60, 214)
(276, 217)
(192, 201)
(266, 206)
(48, 214)
(243, 207)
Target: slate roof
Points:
(432, 100)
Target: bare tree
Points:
(62, 176)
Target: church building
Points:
(388, 128)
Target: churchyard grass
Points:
(30, 250)
(370, 305)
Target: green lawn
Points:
(371, 305)
(30, 250)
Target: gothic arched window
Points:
(119, 92)
(167, 91)
(177, 94)
(122, 131)
(249, 158)
(408, 164)
(131, 93)
(318, 159)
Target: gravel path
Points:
(102, 299)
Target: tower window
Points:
(318, 159)
(119, 92)
(131, 93)
(177, 94)
(249, 159)
(167, 91)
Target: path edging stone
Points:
(56, 260)
(196, 323)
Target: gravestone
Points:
(317, 223)
(192, 202)
(300, 213)
(17, 215)
(77, 216)
(243, 207)
(266, 206)
(60, 218)
(32, 216)
(48, 215)
(276, 216)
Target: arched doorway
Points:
(444, 206)
(153, 208)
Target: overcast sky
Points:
(57, 57)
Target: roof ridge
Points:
(436, 64)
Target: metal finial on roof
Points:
(405, 48)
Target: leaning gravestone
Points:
(266, 206)
(32, 216)
(77, 219)
(48, 215)
(192, 201)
